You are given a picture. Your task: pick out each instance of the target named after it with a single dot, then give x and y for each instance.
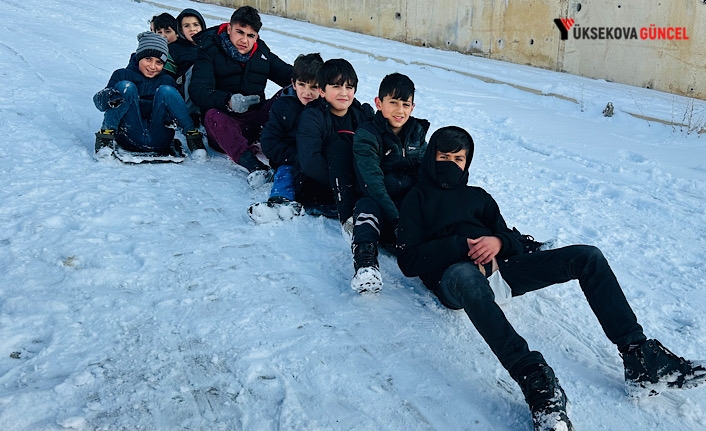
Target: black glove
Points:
(115, 99)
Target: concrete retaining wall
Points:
(524, 32)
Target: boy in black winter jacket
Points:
(325, 134)
(452, 235)
(228, 83)
(141, 103)
(388, 151)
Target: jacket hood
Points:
(133, 63)
(189, 12)
(428, 171)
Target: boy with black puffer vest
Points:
(454, 238)
(325, 135)
(142, 104)
(291, 187)
(165, 25)
(183, 50)
(387, 151)
(228, 83)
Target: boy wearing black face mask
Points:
(453, 236)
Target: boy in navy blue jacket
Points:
(449, 232)
(141, 103)
(291, 186)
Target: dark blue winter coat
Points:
(279, 136)
(316, 132)
(146, 87)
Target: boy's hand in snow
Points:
(239, 103)
(483, 249)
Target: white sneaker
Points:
(260, 177)
(367, 279)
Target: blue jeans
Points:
(283, 186)
(463, 286)
(132, 133)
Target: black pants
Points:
(463, 286)
(369, 226)
(342, 177)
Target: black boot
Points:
(545, 397)
(105, 139)
(367, 273)
(194, 140)
(250, 162)
(650, 366)
(365, 254)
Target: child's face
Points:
(339, 96)
(459, 157)
(151, 66)
(190, 25)
(243, 37)
(167, 33)
(396, 111)
(306, 91)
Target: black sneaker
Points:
(529, 245)
(194, 140)
(652, 367)
(546, 398)
(105, 139)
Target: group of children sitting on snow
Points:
(331, 155)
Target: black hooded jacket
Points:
(439, 214)
(182, 50)
(217, 76)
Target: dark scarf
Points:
(231, 50)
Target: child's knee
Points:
(465, 283)
(169, 93)
(127, 88)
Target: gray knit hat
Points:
(151, 45)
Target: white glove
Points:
(239, 103)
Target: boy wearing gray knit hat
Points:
(142, 105)
(151, 45)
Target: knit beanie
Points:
(151, 45)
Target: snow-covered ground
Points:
(144, 298)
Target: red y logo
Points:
(568, 23)
(564, 25)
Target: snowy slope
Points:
(143, 297)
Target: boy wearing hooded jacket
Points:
(448, 231)
(183, 50)
(141, 103)
(387, 151)
(291, 187)
(228, 83)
